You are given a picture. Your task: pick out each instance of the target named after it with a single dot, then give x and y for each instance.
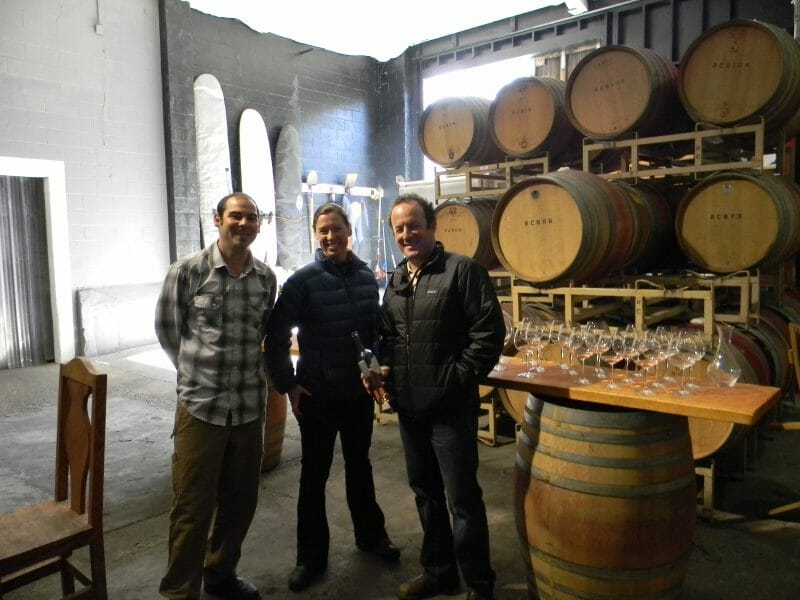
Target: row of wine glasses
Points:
(648, 350)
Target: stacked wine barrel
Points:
(576, 226)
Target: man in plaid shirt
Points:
(210, 321)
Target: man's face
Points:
(332, 232)
(238, 225)
(415, 238)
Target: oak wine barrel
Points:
(575, 225)
(617, 90)
(737, 220)
(740, 70)
(274, 429)
(604, 501)
(454, 131)
(465, 227)
(528, 116)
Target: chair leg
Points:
(97, 557)
(67, 578)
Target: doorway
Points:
(26, 338)
(35, 272)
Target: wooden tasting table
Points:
(743, 404)
(605, 499)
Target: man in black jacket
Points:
(441, 333)
(328, 300)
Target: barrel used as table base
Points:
(604, 501)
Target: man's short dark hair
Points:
(427, 207)
(222, 204)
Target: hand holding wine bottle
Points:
(371, 374)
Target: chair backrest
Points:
(794, 351)
(80, 442)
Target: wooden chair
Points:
(37, 541)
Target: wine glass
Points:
(684, 356)
(538, 338)
(646, 357)
(668, 335)
(583, 350)
(662, 341)
(613, 355)
(701, 347)
(521, 343)
(575, 341)
(559, 335)
(594, 327)
(602, 342)
(628, 350)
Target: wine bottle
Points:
(371, 371)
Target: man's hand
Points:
(294, 398)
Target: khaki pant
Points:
(213, 468)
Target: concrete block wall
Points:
(80, 83)
(335, 101)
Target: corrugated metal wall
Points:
(26, 325)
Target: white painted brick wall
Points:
(94, 102)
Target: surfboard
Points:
(258, 182)
(213, 154)
(288, 198)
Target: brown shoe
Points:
(424, 586)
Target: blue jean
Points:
(442, 463)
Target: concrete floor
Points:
(743, 557)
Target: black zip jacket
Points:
(442, 338)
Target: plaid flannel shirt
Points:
(211, 325)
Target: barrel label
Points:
(725, 64)
(725, 217)
(608, 85)
(521, 110)
(539, 221)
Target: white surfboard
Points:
(213, 154)
(258, 181)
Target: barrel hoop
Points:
(611, 491)
(610, 574)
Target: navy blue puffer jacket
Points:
(327, 302)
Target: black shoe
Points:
(473, 595)
(383, 549)
(423, 586)
(303, 576)
(233, 588)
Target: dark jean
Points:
(351, 416)
(442, 458)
